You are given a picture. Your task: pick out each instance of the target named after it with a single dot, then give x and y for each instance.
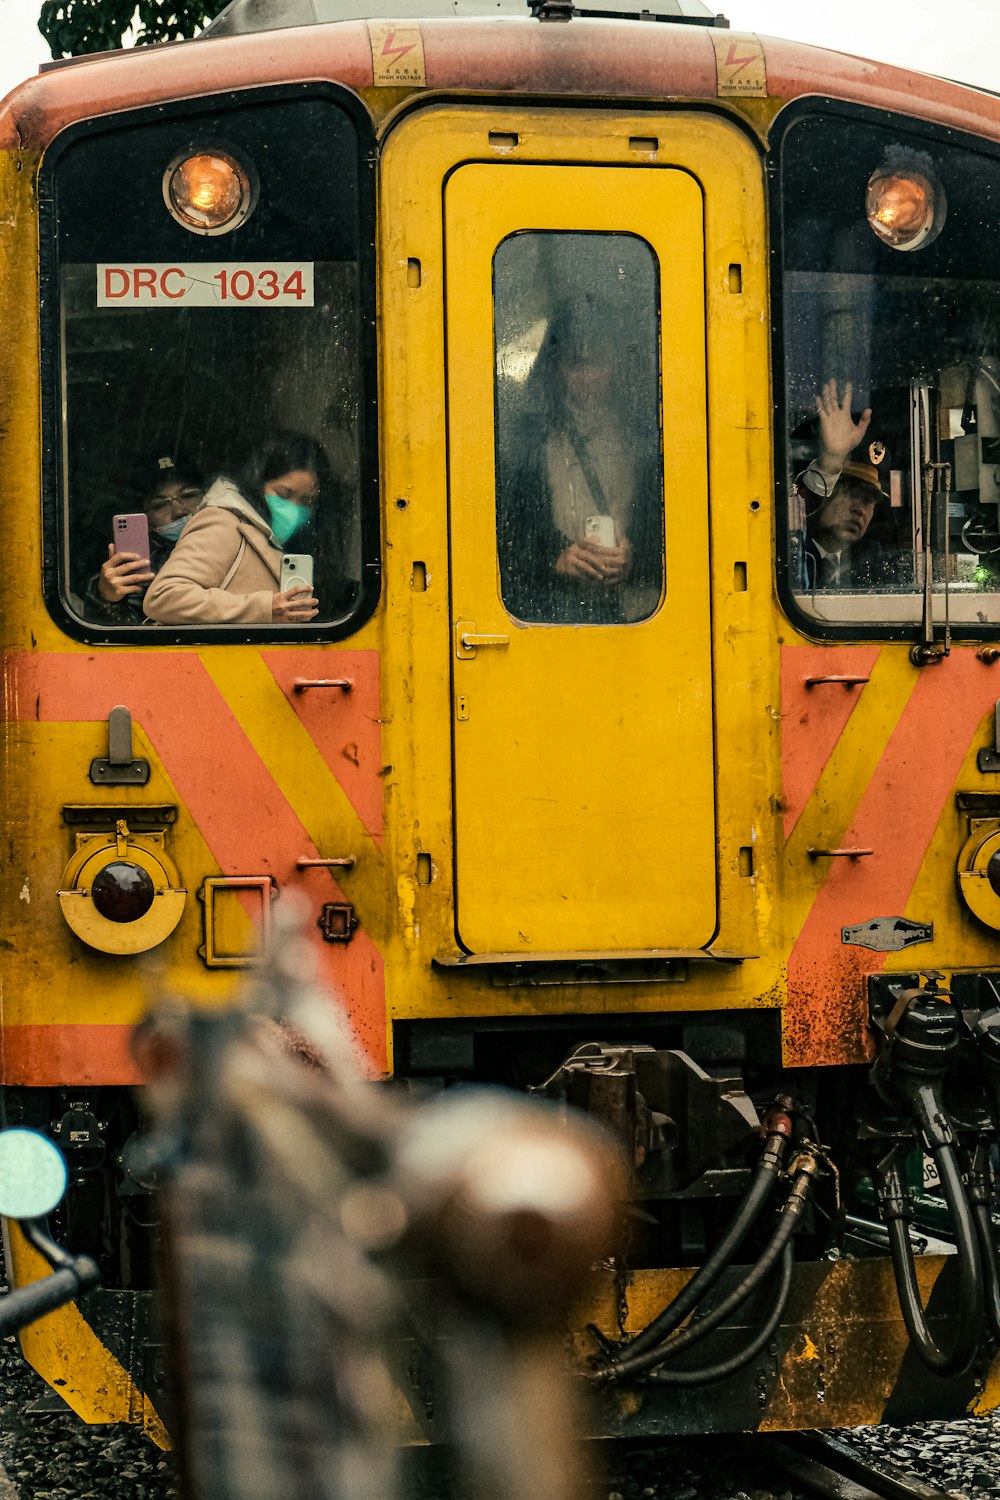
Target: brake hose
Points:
(987, 1249)
(804, 1169)
(761, 1185)
(896, 1214)
(707, 1374)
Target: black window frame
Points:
(54, 490)
(924, 134)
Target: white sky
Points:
(955, 38)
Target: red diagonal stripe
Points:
(237, 805)
(345, 727)
(814, 718)
(897, 817)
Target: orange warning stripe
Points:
(897, 817)
(239, 808)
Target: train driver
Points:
(838, 495)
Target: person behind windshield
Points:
(578, 509)
(169, 491)
(841, 489)
(226, 568)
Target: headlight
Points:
(906, 208)
(209, 192)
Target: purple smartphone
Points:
(131, 534)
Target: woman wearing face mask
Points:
(226, 568)
(169, 491)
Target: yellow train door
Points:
(580, 596)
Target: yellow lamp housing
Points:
(979, 872)
(120, 892)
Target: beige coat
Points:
(223, 570)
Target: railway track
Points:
(826, 1465)
(957, 1465)
(46, 1454)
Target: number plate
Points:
(282, 283)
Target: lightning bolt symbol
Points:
(736, 62)
(395, 53)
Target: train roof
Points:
(502, 55)
(244, 17)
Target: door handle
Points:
(468, 640)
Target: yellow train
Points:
(612, 758)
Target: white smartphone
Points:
(130, 533)
(600, 529)
(296, 568)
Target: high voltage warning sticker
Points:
(397, 54)
(739, 66)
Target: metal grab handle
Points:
(839, 853)
(304, 863)
(303, 684)
(845, 681)
(470, 640)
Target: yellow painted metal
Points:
(94, 853)
(584, 807)
(237, 920)
(842, 1347)
(973, 871)
(64, 1348)
(844, 779)
(421, 153)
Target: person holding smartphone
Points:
(226, 567)
(578, 508)
(163, 492)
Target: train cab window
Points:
(891, 347)
(578, 454)
(214, 372)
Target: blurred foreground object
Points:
(313, 1221)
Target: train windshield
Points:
(891, 344)
(213, 360)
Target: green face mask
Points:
(286, 517)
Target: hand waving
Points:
(838, 431)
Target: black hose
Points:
(707, 1374)
(26, 1304)
(987, 1250)
(637, 1364)
(673, 1315)
(957, 1359)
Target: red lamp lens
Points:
(993, 872)
(122, 892)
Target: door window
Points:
(578, 451)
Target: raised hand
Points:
(839, 434)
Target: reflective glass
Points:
(578, 450)
(166, 404)
(914, 332)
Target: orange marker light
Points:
(209, 192)
(906, 209)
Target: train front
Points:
(625, 759)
